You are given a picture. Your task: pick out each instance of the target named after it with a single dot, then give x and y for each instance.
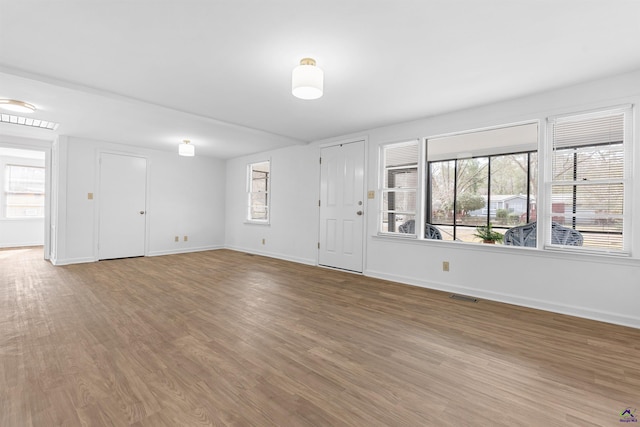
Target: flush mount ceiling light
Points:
(307, 80)
(16, 106)
(186, 149)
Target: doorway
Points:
(24, 188)
(122, 206)
(342, 206)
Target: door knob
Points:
(359, 213)
(141, 212)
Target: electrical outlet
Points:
(264, 241)
(445, 265)
(371, 194)
(185, 238)
(177, 238)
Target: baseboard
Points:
(185, 250)
(273, 255)
(69, 261)
(19, 245)
(601, 316)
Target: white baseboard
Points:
(570, 310)
(69, 261)
(185, 250)
(273, 255)
(19, 245)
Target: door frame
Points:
(96, 199)
(31, 144)
(366, 205)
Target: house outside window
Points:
(258, 191)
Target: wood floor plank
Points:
(222, 338)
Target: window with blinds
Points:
(589, 178)
(399, 187)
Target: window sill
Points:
(549, 252)
(254, 222)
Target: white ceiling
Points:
(152, 73)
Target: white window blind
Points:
(588, 177)
(399, 187)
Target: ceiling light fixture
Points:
(307, 80)
(24, 121)
(186, 149)
(16, 106)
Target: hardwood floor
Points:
(225, 338)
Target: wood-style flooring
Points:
(226, 338)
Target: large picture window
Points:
(24, 191)
(480, 179)
(589, 177)
(466, 193)
(482, 186)
(258, 190)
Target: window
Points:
(399, 187)
(258, 188)
(465, 193)
(589, 177)
(24, 191)
(480, 178)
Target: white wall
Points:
(293, 230)
(185, 197)
(590, 286)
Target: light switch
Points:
(90, 196)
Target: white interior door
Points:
(122, 215)
(342, 206)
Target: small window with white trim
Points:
(258, 191)
(399, 187)
(590, 180)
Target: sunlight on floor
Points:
(10, 252)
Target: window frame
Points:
(627, 180)
(249, 190)
(419, 165)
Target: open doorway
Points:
(23, 198)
